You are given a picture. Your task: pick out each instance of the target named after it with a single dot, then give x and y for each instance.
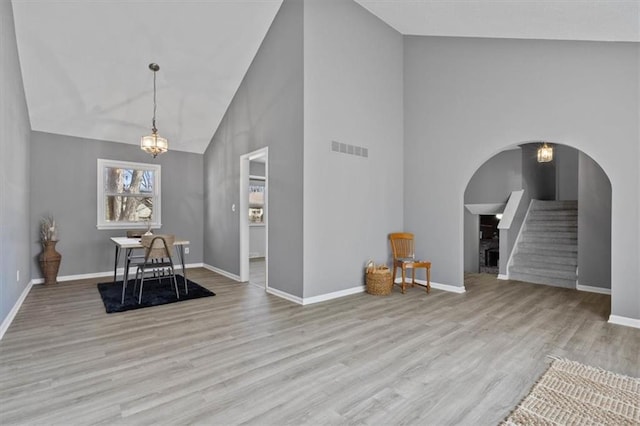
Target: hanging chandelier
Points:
(154, 144)
(545, 153)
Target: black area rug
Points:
(156, 292)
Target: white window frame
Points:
(157, 202)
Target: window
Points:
(128, 195)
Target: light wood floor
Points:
(247, 357)
(258, 271)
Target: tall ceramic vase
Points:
(50, 262)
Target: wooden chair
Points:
(157, 256)
(404, 258)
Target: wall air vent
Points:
(344, 148)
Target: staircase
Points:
(547, 250)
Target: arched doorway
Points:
(581, 256)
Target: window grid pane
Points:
(128, 181)
(128, 208)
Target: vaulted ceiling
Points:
(595, 20)
(85, 62)
(85, 65)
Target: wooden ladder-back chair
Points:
(402, 246)
(158, 256)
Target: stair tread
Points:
(560, 213)
(557, 228)
(557, 247)
(553, 273)
(554, 220)
(555, 209)
(553, 204)
(555, 233)
(556, 282)
(543, 266)
(550, 241)
(544, 258)
(538, 237)
(566, 257)
(555, 223)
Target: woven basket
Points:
(379, 281)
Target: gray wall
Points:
(465, 97)
(471, 242)
(353, 95)
(566, 159)
(15, 132)
(493, 182)
(555, 180)
(594, 225)
(496, 178)
(267, 110)
(538, 179)
(256, 169)
(63, 176)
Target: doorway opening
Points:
(556, 228)
(489, 254)
(254, 229)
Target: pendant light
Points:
(154, 144)
(545, 153)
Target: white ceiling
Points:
(598, 20)
(85, 62)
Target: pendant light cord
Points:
(154, 103)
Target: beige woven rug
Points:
(570, 393)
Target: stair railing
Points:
(510, 227)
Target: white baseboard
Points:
(14, 311)
(84, 276)
(444, 287)
(222, 272)
(120, 271)
(333, 295)
(447, 287)
(503, 276)
(629, 322)
(315, 299)
(285, 295)
(591, 289)
(191, 265)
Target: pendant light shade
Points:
(154, 144)
(545, 153)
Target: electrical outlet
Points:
(186, 250)
(233, 207)
(18, 275)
